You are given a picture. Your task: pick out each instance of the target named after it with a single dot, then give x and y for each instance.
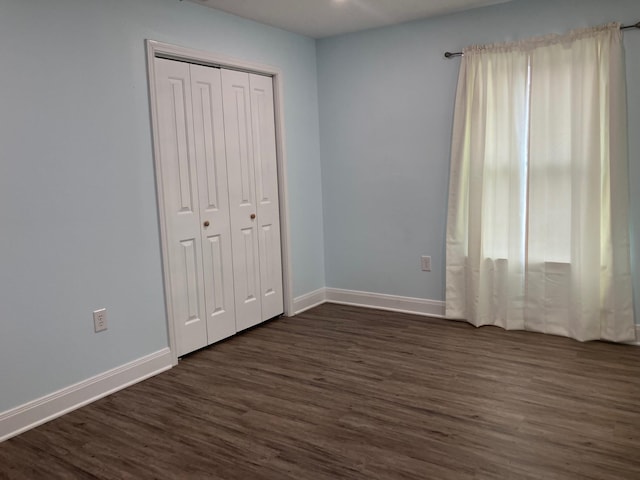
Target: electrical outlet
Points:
(100, 320)
(425, 261)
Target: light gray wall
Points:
(386, 108)
(77, 190)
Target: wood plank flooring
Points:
(344, 392)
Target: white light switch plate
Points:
(425, 262)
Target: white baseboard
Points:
(309, 300)
(37, 412)
(394, 303)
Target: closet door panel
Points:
(242, 197)
(209, 139)
(268, 215)
(181, 203)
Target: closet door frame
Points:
(157, 49)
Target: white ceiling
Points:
(323, 18)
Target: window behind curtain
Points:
(537, 234)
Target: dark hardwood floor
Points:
(344, 392)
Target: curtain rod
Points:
(460, 54)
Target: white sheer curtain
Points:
(537, 234)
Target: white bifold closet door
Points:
(220, 195)
(253, 195)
